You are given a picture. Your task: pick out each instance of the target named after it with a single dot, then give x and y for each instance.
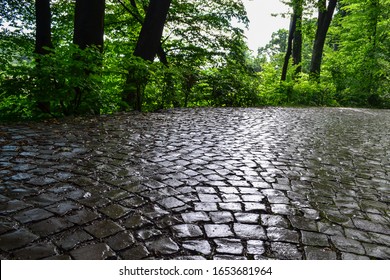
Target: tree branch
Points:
(136, 15)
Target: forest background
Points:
(64, 57)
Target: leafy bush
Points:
(312, 93)
(64, 82)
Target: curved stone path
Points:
(269, 183)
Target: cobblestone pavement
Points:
(266, 183)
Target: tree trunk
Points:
(89, 23)
(372, 53)
(148, 46)
(294, 44)
(325, 15)
(137, 16)
(43, 26)
(88, 32)
(42, 41)
(149, 40)
(289, 47)
(297, 40)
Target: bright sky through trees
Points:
(262, 23)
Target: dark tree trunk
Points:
(88, 32)
(294, 43)
(325, 15)
(89, 23)
(372, 52)
(42, 41)
(137, 16)
(297, 40)
(149, 40)
(43, 26)
(289, 47)
(148, 46)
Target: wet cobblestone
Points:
(226, 183)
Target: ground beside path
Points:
(227, 183)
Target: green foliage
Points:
(270, 89)
(70, 79)
(208, 62)
(311, 93)
(360, 65)
(67, 81)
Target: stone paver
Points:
(222, 183)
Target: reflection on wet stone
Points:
(249, 231)
(221, 217)
(191, 217)
(215, 183)
(229, 246)
(187, 230)
(201, 246)
(164, 245)
(217, 230)
(281, 234)
(147, 233)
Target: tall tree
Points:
(148, 46)
(297, 40)
(136, 14)
(88, 32)
(42, 42)
(43, 26)
(149, 40)
(325, 14)
(294, 41)
(89, 23)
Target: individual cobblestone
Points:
(16, 239)
(103, 228)
(229, 246)
(163, 246)
(282, 234)
(201, 246)
(50, 226)
(285, 251)
(249, 231)
(213, 230)
(70, 239)
(35, 251)
(121, 240)
(32, 215)
(318, 253)
(255, 247)
(222, 183)
(187, 230)
(98, 251)
(221, 217)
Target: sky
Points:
(262, 23)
